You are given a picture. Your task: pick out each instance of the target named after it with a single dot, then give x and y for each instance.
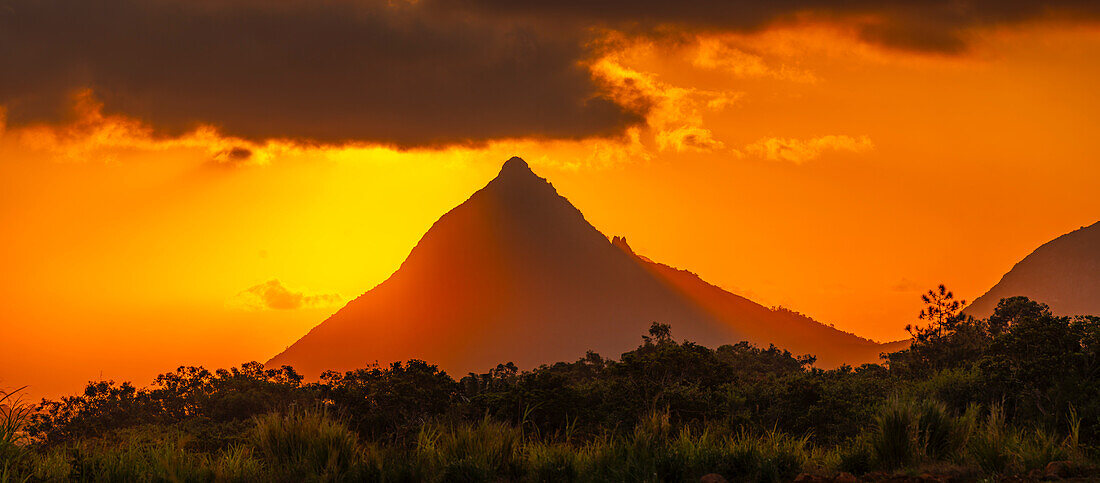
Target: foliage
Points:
(997, 396)
(391, 401)
(190, 394)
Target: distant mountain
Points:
(515, 273)
(1064, 273)
(784, 328)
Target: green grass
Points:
(14, 417)
(484, 451)
(907, 437)
(894, 438)
(307, 444)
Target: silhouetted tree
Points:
(950, 340)
(389, 401)
(658, 333)
(1039, 365)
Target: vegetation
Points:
(1015, 394)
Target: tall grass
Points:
(653, 452)
(51, 466)
(140, 461)
(237, 464)
(141, 458)
(994, 443)
(555, 462)
(940, 435)
(306, 443)
(483, 451)
(999, 448)
(894, 436)
(782, 456)
(907, 432)
(14, 416)
(310, 445)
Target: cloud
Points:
(799, 151)
(906, 285)
(673, 113)
(273, 295)
(716, 54)
(422, 73)
(336, 71)
(930, 25)
(89, 134)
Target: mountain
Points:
(515, 273)
(1063, 273)
(785, 328)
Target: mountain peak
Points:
(515, 165)
(517, 179)
(516, 273)
(1063, 273)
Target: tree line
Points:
(1023, 364)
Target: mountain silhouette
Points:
(516, 273)
(1063, 273)
(762, 325)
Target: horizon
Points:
(169, 202)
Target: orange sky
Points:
(796, 166)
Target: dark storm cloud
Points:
(323, 71)
(925, 25)
(408, 73)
